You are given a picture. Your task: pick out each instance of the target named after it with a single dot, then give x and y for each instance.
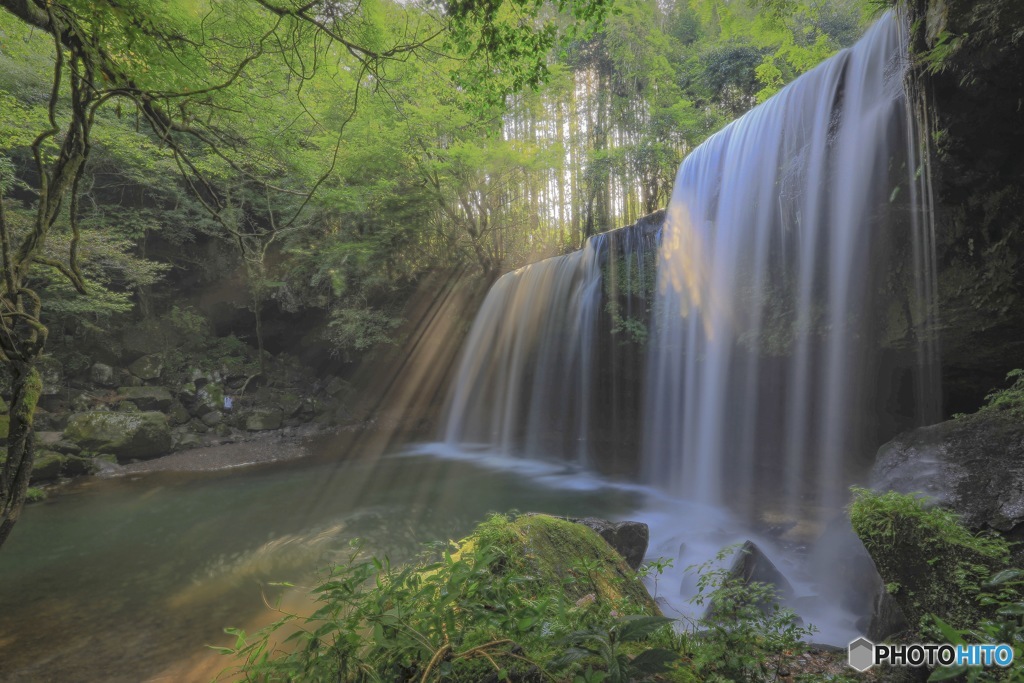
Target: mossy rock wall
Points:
(973, 98)
(929, 562)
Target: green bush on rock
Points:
(930, 563)
(501, 605)
(533, 598)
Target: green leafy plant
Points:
(606, 645)
(1002, 593)
(655, 568)
(1009, 399)
(477, 611)
(745, 634)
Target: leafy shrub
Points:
(478, 611)
(1008, 399)
(745, 634)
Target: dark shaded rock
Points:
(973, 466)
(103, 375)
(75, 466)
(629, 539)
(125, 435)
(147, 398)
(47, 466)
(751, 565)
(887, 618)
(52, 373)
(211, 419)
(178, 414)
(978, 178)
(148, 367)
(263, 419)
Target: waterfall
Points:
(537, 376)
(523, 385)
(790, 329)
(777, 286)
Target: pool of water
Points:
(131, 579)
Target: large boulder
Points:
(147, 398)
(52, 373)
(930, 563)
(103, 375)
(629, 539)
(46, 466)
(263, 419)
(973, 465)
(127, 436)
(148, 367)
(556, 550)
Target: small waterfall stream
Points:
(526, 373)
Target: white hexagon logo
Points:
(862, 654)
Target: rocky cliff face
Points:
(969, 58)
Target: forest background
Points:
(330, 155)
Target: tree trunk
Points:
(14, 477)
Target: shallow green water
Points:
(123, 580)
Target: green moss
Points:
(1009, 400)
(34, 495)
(938, 564)
(562, 553)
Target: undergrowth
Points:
(494, 608)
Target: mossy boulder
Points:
(930, 563)
(125, 435)
(102, 374)
(52, 373)
(563, 553)
(47, 466)
(148, 367)
(147, 398)
(263, 419)
(208, 398)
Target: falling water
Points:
(793, 325)
(781, 278)
(526, 371)
(537, 377)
